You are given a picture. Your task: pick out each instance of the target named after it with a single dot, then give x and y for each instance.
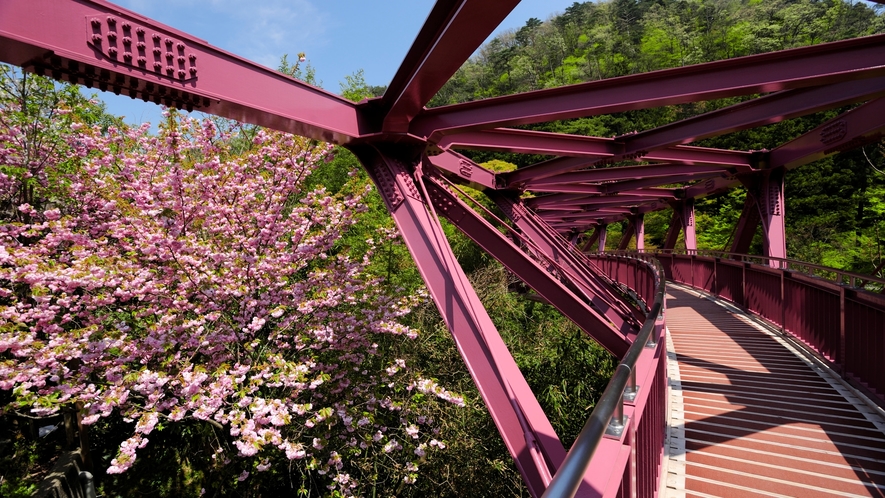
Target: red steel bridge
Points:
(728, 409)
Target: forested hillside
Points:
(835, 207)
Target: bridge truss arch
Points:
(557, 210)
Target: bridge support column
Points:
(635, 226)
(524, 427)
(764, 204)
(602, 230)
(683, 219)
(639, 224)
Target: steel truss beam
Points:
(798, 68)
(585, 277)
(680, 155)
(86, 43)
(463, 170)
(562, 201)
(600, 175)
(593, 239)
(525, 429)
(850, 130)
(580, 152)
(452, 32)
(757, 112)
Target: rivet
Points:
(127, 41)
(112, 52)
(140, 45)
(96, 22)
(139, 31)
(112, 21)
(155, 37)
(142, 61)
(181, 73)
(96, 38)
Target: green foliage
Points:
(307, 74)
(19, 459)
(716, 218)
(34, 157)
(355, 88)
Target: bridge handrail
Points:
(842, 277)
(570, 474)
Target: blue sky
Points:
(338, 36)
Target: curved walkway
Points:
(752, 417)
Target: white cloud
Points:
(260, 30)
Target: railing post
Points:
(632, 389)
(691, 268)
(87, 484)
(841, 358)
(618, 422)
(715, 289)
(783, 303)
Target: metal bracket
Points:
(616, 427)
(630, 393)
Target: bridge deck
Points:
(751, 417)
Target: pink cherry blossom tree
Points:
(173, 279)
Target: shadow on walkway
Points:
(755, 410)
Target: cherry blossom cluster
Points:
(179, 279)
